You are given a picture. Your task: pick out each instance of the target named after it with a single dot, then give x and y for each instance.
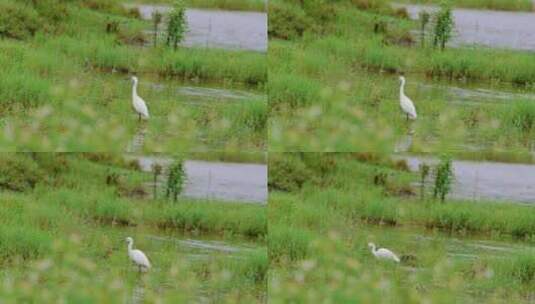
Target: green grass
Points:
(71, 223)
(345, 73)
(62, 86)
(233, 157)
(506, 5)
(235, 5)
(318, 237)
(242, 5)
(356, 195)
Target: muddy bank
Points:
(496, 29)
(487, 180)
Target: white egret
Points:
(405, 103)
(137, 102)
(383, 253)
(137, 256)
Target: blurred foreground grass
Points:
(64, 219)
(325, 207)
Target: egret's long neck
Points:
(402, 88)
(130, 244)
(373, 249)
(134, 89)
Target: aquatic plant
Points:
(443, 26)
(287, 20)
(286, 173)
(424, 172)
(424, 17)
(156, 171)
(176, 24)
(522, 117)
(112, 26)
(176, 177)
(443, 178)
(156, 20)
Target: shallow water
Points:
(218, 28)
(203, 94)
(470, 94)
(202, 248)
(460, 95)
(137, 142)
(487, 180)
(226, 181)
(193, 249)
(497, 29)
(217, 180)
(153, 89)
(467, 247)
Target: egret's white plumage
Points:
(137, 102)
(405, 103)
(137, 256)
(383, 253)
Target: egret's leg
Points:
(139, 115)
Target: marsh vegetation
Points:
(456, 250)
(62, 84)
(65, 218)
(334, 86)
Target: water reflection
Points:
(138, 140)
(404, 143)
(138, 292)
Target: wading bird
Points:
(383, 253)
(405, 103)
(137, 256)
(138, 103)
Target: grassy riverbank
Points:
(239, 5)
(503, 5)
(233, 5)
(319, 228)
(70, 62)
(345, 71)
(67, 215)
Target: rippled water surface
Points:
(218, 180)
(488, 180)
(497, 29)
(218, 28)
